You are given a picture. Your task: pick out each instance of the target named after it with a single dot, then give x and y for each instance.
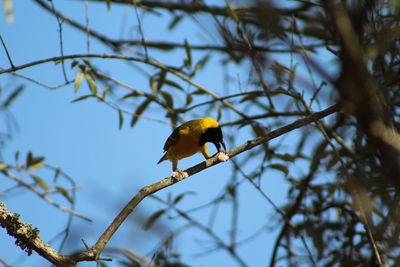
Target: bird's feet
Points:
(222, 156)
(179, 174)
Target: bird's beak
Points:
(218, 145)
(223, 145)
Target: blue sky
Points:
(109, 165)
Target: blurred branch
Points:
(140, 93)
(292, 211)
(362, 93)
(77, 25)
(116, 44)
(134, 256)
(248, 94)
(198, 6)
(5, 264)
(153, 63)
(43, 196)
(230, 248)
(165, 45)
(285, 217)
(151, 189)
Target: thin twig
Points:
(5, 264)
(156, 64)
(87, 27)
(151, 189)
(39, 83)
(60, 31)
(207, 229)
(7, 53)
(285, 217)
(94, 253)
(43, 196)
(142, 40)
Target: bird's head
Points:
(213, 135)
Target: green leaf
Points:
(169, 197)
(74, 64)
(81, 98)
(7, 6)
(169, 101)
(64, 193)
(153, 218)
(219, 112)
(202, 62)
(120, 119)
(31, 160)
(131, 94)
(286, 157)
(188, 59)
(180, 196)
(91, 83)
(87, 63)
(232, 190)
(280, 167)
(140, 109)
(153, 85)
(78, 79)
(161, 80)
(105, 92)
(198, 92)
(157, 81)
(40, 182)
(174, 22)
(56, 175)
(258, 129)
(251, 96)
(174, 84)
(13, 96)
(189, 99)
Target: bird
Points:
(190, 138)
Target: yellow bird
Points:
(190, 138)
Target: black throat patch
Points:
(211, 135)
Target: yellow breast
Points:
(186, 146)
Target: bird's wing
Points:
(172, 139)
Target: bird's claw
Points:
(222, 156)
(179, 174)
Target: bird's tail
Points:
(162, 158)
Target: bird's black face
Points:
(213, 135)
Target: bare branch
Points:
(94, 253)
(28, 239)
(151, 189)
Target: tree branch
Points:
(153, 63)
(151, 189)
(29, 240)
